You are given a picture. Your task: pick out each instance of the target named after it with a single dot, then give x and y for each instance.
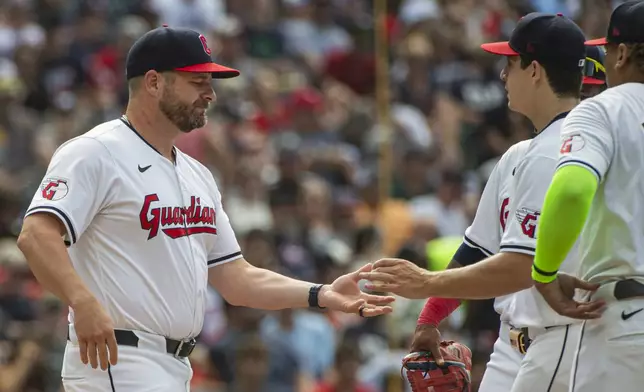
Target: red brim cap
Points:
(593, 81)
(217, 71)
(597, 42)
(500, 48)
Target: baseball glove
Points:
(425, 375)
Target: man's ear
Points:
(153, 83)
(537, 71)
(621, 57)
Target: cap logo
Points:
(615, 32)
(529, 48)
(204, 43)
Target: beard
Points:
(185, 116)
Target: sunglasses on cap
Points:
(593, 68)
(594, 71)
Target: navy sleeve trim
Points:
(60, 214)
(468, 255)
(473, 244)
(224, 258)
(581, 163)
(518, 249)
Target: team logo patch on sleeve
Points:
(571, 143)
(53, 188)
(528, 219)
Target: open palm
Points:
(345, 295)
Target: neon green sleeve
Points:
(565, 208)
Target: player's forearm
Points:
(501, 274)
(438, 309)
(271, 291)
(242, 284)
(47, 257)
(563, 216)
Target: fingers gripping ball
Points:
(425, 375)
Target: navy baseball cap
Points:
(173, 49)
(626, 25)
(547, 38)
(594, 70)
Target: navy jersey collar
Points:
(558, 117)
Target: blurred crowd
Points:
(294, 144)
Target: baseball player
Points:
(146, 232)
(543, 79)
(598, 187)
(483, 239)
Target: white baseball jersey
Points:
(485, 232)
(605, 134)
(533, 175)
(142, 231)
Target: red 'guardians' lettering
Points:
(183, 221)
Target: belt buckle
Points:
(189, 343)
(518, 340)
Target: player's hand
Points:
(95, 332)
(427, 338)
(345, 295)
(560, 292)
(397, 276)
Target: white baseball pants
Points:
(545, 367)
(610, 349)
(145, 368)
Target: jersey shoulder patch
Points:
(572, 143)
(54, 188)
(528, 219)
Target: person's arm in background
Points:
(587, 148)
(305, 383)
(15, 374)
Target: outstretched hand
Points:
(397, 276)
(560, 292)
(345, 295)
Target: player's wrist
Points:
(436, 310)
(541, 276)
(81, 299)
(317, 295)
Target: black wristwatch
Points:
(314, 293)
